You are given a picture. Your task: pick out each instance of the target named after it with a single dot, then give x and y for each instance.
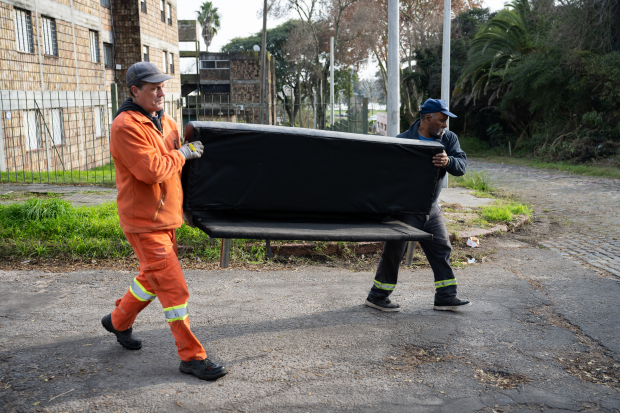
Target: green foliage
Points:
(479, 181)
(38, 209)
(208, 13)
(500, 43)
(504, 211)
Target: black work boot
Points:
(123, 337)
(203, 369)
(383, 304)
(450, 304)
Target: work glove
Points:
(192, 150)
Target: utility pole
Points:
(263, 73)
(393, 86)
(331, 82)
(445, 64)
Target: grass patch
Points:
(102, 175)
(53, 228)
(504, 211)
(480, 182)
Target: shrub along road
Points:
(543, 334)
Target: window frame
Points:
(215, 63)
(108, 55)
(146, 54)
(93, 41)
(57, 129)
(23, 26)
(50, 36)
(165, 61)
(162, 10)
(143, 6)
(171, 63)
(99, 129)
(169, 10)
(32, 132)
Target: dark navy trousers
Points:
(437, 252)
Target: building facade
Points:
(58, 59)
(226, 86)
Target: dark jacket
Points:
(458, 159)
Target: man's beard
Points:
(440, 133)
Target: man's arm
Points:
(457, 157)
(143, 160)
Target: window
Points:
(57, 129)
(107, 56)
(23, 31)
(165, 62)
(32, 130)
(145, 52)
(93, 37)
(169, 14)
(171, 63)
(50, 45)
(99, 121)
(105, 3)
(162, 9)
(143, 5)
(214, 64)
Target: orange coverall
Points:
(150, 199)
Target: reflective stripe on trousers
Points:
(140, 292)
(179, 312)
(445, 283)
(383, 286)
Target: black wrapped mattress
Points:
(260, 168)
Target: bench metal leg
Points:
(410, 251)
(225, 254)
(268, 245)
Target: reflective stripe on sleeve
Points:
(175, 313)
(382, 286)
(140, 292)
(445, 283)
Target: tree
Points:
(420, 27)
(209, 19)
(350, 22)
(500, 43)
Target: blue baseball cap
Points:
(436, 105)
(145, 72)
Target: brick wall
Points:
(72, 70)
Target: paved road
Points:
(543, 335)
(587, 209)
(301, 340)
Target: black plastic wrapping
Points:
(255, 168)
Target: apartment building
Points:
(58, 59)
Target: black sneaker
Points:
(203, 369)
(452, 304)
(383, 304)
(123, 337)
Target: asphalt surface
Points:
(302, 340)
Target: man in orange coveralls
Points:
(148, 158)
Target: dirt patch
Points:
(500, 378)
(595, 365)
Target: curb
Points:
(463, 235)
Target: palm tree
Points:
(209, 19)
(501, 42)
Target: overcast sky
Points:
(239, 19)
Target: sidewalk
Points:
(77, 195)
(87, 195)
